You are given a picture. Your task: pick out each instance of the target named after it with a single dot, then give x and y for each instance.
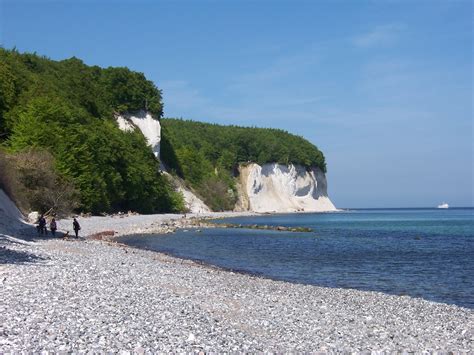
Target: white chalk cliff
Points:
(192, 203)
(151, 129)
(268, 188)
(283, 188)
(11, 219)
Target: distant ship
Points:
(443, 205)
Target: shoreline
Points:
(75, 295)
(203, 223)
(145, 224)
(252, 274)
(136, 224)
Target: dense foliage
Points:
(206, 155)
(60, 113)
(30, 179)
(66, 107)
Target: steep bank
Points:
(271, 187)
(207, 156)
(150, 127)
(11, 219)
(282, 188)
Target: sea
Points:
(427, 253)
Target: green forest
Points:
(66, 108)
(60, 144)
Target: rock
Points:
(33, 217)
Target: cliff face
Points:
(11, 219)
(282, 188)
(269, 188)
(149, 127)
(151, 130)
(192, 203)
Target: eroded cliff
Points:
(271, 187)
(151, 130)
(282, 188)
(149, 126)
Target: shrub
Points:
(30, 179)
(217, 194)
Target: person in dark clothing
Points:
(53, 227)
(45, 227)
(41, 225)
(76, 227)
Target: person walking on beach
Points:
(45, 226)
(53, 227)
(41, 225)
(38, 226)
(76, 227)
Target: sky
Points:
(383, 88)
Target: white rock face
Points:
(33, 217)
(124, 124)
(281, 188)
(193, 203)
(151, 129)
(268, 188)
(11, 219)
(149, 126)
(8, 208)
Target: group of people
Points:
(43, 229)
(53, 227)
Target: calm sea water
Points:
(426, 253)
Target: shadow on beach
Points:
(17, 238)
(10, 256)
(29, 233)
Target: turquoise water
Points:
(426, 253)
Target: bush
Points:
(217, 194)
(30, 179)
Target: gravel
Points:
(91, 296)
(137, 224)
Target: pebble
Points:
(91, 296)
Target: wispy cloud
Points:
(379, 36)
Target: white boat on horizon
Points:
(443, 205)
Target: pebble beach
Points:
(91, 295)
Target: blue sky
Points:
(384, 88)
